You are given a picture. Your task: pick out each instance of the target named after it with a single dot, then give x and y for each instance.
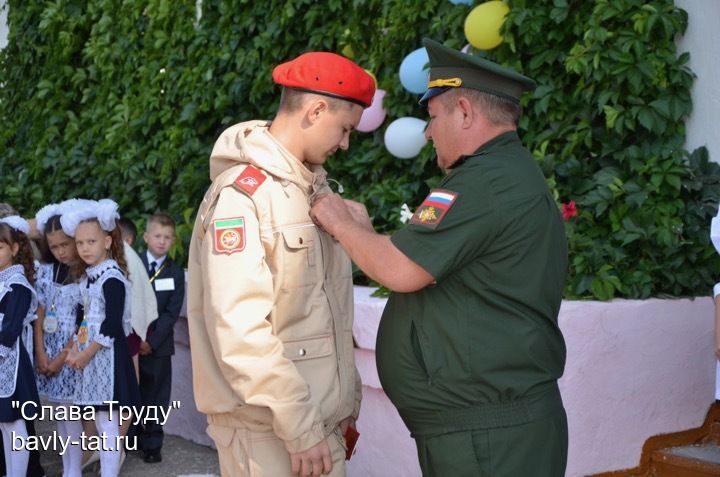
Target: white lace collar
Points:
(10, 271)
(96, 271)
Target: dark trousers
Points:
(34, 468)
(537, 448)
(155, 385)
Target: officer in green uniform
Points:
(469, 349)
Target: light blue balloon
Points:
(414, 71)
(405, 137)
(461, 2)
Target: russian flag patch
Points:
(434, 208)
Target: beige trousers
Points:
(244, 453)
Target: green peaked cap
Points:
(450, 68)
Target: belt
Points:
(484, 416)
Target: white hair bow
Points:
(44, 215)
(104, 210)
(16, 222)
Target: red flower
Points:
(569, 210)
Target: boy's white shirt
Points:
(144, 304)
(158, 261)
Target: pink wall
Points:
(634, 369)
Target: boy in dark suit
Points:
(168, 280)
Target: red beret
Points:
(329, 74)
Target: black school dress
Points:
(17, 378)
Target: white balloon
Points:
(404, 137)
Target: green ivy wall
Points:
(125, 99)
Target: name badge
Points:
(50, 325)
(164, 284)
(82, 334)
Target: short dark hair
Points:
(292, 100)
(162, 219)
(499, 110)
(128, 228)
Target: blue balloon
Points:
(461, 2)
(414, 71)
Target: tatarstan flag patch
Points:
(229, 235)
(434, 208)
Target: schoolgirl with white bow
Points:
(58, 296)
(100, 348)
(18, 303)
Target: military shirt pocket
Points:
(423, 351)
(299, 268)
(308, 348)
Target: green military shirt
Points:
(486, 331)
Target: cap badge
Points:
(443, 83)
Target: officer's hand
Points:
(313, 461)
(330, 212)
(359, 213)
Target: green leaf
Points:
(611, 115)
(646, 118)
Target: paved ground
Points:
(181, 458)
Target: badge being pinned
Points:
(229, 235)
(434, 208)
(249, 180)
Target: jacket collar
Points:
(251, 143)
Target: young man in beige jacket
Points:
(270, 294)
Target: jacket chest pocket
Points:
(300, 266)
(308, 348)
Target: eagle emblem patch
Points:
(434, 208)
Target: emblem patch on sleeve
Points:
(249, 180)
(434, 208)
(229, 235)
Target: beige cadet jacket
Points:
(270, 325)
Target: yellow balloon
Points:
(482, 25)
(348, 52)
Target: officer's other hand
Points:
(330, 212)
(314, 461)
(359, 213)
